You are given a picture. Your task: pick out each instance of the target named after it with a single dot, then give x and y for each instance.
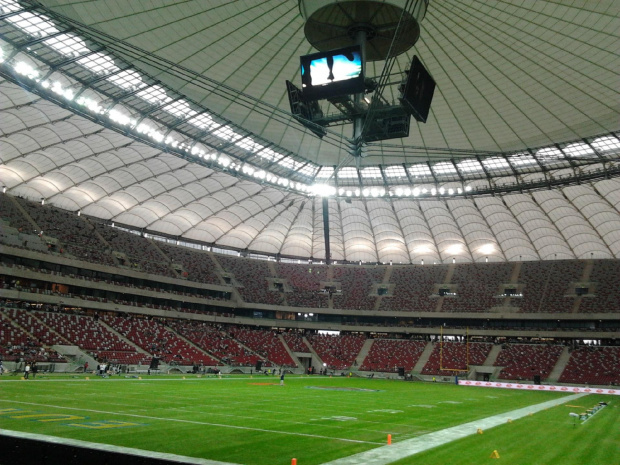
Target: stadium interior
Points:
(173, 203)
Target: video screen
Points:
(418, 92)
(331, 74)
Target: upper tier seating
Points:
(524, 361)
(252, 275)
(453, 356)
(414, 285)
(605, 274)
(197, 264)
(356, 285)
(306, 283)
(141, 253)
(337, 352)
(388, 355)
(478, 284)
(546, 284)
(593, 365)
(76, 235)
(10, 212)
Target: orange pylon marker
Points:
(495, 455)
(389, 439)
(479, 431)
(293, 461)
(87, 378)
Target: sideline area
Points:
(128, 451)
(382, 455)
(388, 454)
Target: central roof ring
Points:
(368, 29)
(391, 26)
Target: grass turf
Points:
(316, 419)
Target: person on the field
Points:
(282, 378)
(27, 370)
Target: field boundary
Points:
(541, 387)
(127, 451)
(400, 450)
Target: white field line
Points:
(177, 420)
(388, 454)
(109, 448)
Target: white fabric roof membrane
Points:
(48, 152)
(510, 75)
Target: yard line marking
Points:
(400, 450)
(178, 420)
(173, 458)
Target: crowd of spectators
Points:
(305, 281)
(75, 235)
(197, 265)
(413, 288)
(356, 283)
(252, 276)
(606, 297)
(478, 285)
(547, 286)
(54, 291)
(10, 212)
(135, 251)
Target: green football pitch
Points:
(255, 421)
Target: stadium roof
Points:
(173, 117)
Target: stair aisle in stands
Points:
(428, 350)
(558, 369)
